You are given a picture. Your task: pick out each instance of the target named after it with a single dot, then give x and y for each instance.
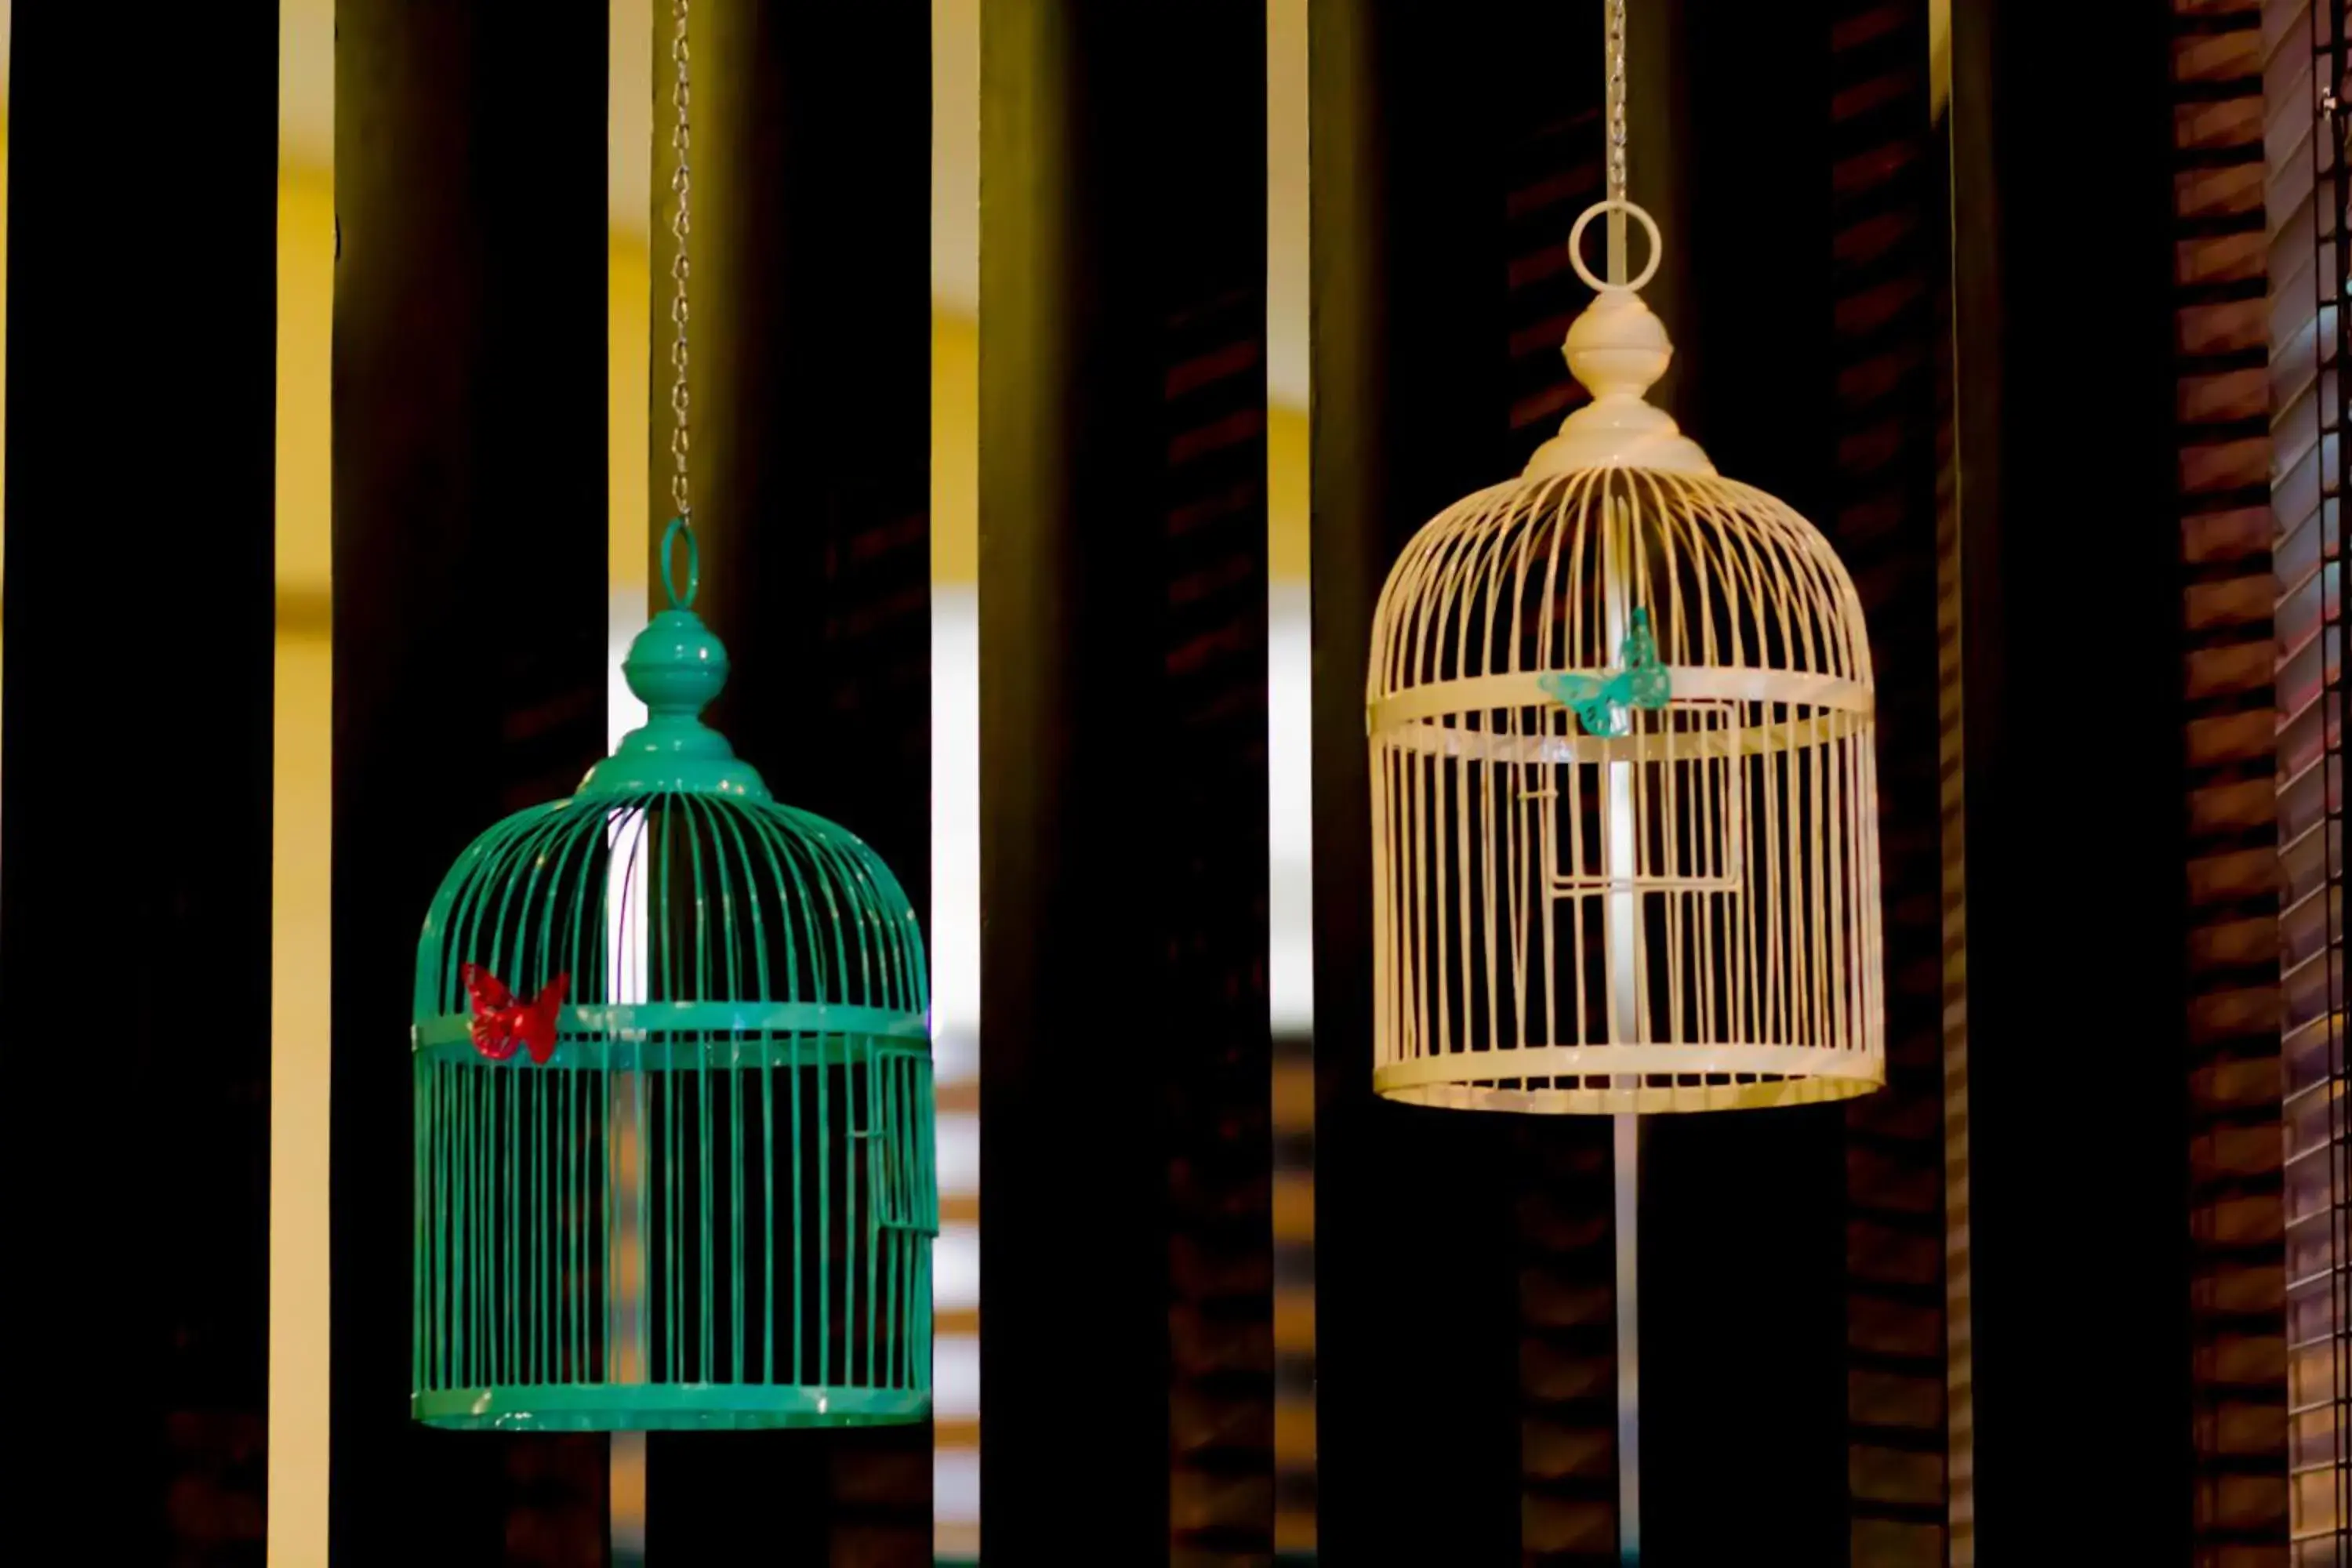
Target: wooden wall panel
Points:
(1127, 1236)
(1750, 1207)
(469, 659)
(1416, 1236)
(135, 843)
(1888, 262)
(2078, 1108)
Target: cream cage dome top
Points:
(1625, 847)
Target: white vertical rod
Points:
(627, 943)
(1623, 910)
(1623, 935)
(1628, 1137)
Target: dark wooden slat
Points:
(810, 348)
(1122, 568)
(2237, 1208)
(1747, 1207)
(1418, 1388)
(1888, 262)
(2305, 195)
(470, 524)
(2078, 1194)
(135, 845)
(1212, 631)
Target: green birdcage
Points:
(674, 1143)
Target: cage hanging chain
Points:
(681, 224)
(1616, 128)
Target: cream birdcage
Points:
(1625, 846)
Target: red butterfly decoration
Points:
(501, 1025)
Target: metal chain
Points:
(1616, 128)
(681, 224)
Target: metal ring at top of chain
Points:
(1616, 42)
(681, 225)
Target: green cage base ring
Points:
(664, 1408)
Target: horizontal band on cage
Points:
(1690, 683)
(1629, 1060)
(770, 1026)
(1579, 884)
(1647, 746)
(666, 1406)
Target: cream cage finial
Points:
(1625, 844)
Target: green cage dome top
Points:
(674, 1143)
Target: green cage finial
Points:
(712, 1203)
(676, 667)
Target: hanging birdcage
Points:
(674, 1154)
(1625, 850)
(673, 1084)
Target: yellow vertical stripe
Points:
(300, 1037)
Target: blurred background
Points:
(2038, 311)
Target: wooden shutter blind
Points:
(2303, 78)
(2238, 1372)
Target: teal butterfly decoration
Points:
(1604, 703)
